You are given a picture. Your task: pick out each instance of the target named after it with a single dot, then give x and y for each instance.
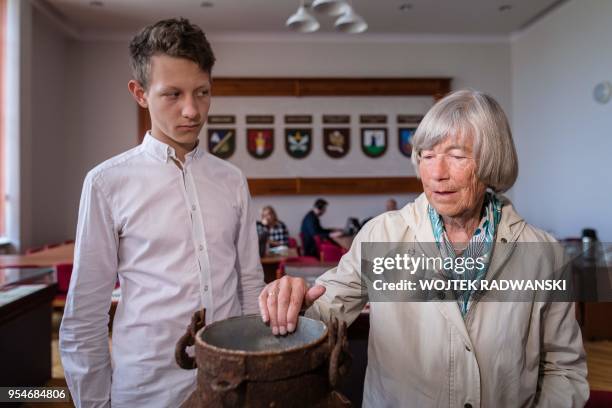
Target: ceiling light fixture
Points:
(405, 7)
(330, 7)
(505, 7)
(351, 22)
(302, 21)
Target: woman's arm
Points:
(562, 378)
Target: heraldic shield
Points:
(222, 142)
(298, 142)
(374, 141)
(405, 140)
(260, 142)
(336, 141)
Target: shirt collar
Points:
(163, 152)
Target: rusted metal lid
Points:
(249, 335)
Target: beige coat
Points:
(518, 354)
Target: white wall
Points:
(48, 152)
(564, 137)
(101, 117)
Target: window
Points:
(2, 116)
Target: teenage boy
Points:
(173, 223)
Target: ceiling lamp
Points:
(302, 21)
(330, 7)
(351, 22)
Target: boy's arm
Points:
(84, 330)
(248, 264)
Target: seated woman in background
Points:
(273, 227)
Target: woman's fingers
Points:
(295, 304)
(263, 305)
(280, 303)
(284, 295)
(271, 302)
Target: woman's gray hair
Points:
(471, 112)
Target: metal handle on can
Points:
(184, 360)
(340, 357)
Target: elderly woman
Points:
(460, 353)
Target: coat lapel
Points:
(423, 235)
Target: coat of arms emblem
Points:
(374, 141)
(260, 142)
(336, 141)
(405, 140)
(298, 142)
(222, 142)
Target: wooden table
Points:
(65, 254)
(271, 262)
(275, 258)
(46, 257)
(345, 241)
(25, 326)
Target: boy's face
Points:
(178, 99)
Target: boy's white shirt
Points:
(178, 240)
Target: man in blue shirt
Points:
(311, 227)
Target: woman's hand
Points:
(280, 302)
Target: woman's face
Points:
(267, 218)
(448, 172)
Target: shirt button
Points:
(201, 247)
(205, 288)
(193, 207)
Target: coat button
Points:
(504, 240)
(467, 405)
(468, 348)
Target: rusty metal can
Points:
(242, 364)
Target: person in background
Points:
(176, 226)
(275, 229)
(391, 205)
(311, 227)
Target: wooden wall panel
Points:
(435, 87)
(334, 186)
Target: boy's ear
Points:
(138, 93)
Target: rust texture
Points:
(305, 376)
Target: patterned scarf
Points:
(480, 245)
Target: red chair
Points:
(330, 252)
(64, 272)
(599, 399)
(295, 261)
(318, 241)
(294, 244)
